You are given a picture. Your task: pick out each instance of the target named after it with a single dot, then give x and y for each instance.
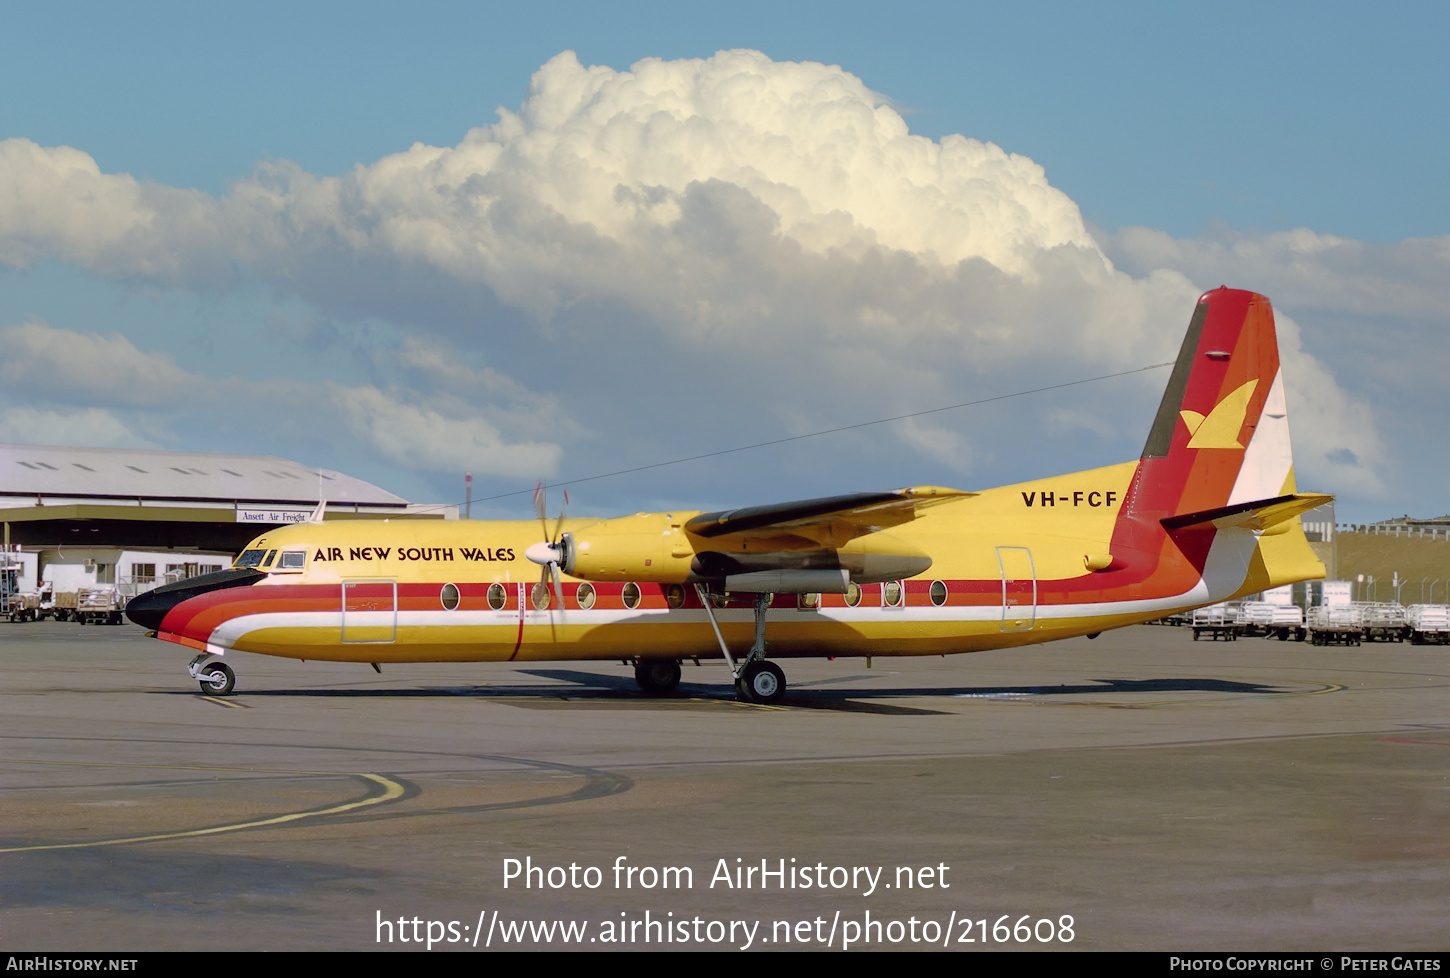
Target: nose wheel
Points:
(217, 679)
(214, 676)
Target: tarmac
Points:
(1137, 792)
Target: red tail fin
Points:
(1221, 436)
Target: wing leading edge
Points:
(859, 512)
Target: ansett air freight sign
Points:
(273, 516)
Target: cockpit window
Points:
(250, 558)
(293, 560)
(271, 555)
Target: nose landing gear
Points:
(214, 676)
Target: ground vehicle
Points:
(98, 606)
(1335, 624)
(1429, 624)
(1220, 622)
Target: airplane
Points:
(1209, 512)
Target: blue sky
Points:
(1195, 140)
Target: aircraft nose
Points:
(149, 610)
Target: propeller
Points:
(549, 553)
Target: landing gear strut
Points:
(757, 680)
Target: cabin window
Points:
(585, 596)
(631, 595)
(675, 596)
(449, 596)
(853, 594)
(497, 597)
(540, 596)
(808, 602)
(938, 593)
(892, 595)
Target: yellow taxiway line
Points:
(391, 792)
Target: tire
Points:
(217, 680)
(762, 681)
(657, 676)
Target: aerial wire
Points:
(832, 431)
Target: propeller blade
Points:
(559, 523)
(540, 501)
(559, 592)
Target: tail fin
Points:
(1217, 468)
(1221, 436)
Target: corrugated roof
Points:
(129, 473)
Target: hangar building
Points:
(135, 518)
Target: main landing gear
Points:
(213, 675)
(757, 680)
(760, 681)
(657, 676)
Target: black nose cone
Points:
(149, 610)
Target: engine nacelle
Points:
(656, 547)
(642, 547)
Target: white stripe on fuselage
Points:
(1224, 574)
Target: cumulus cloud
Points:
(1380, 315)
(56, 202)
(84, 368)
(128, 390)
(1304, 269)
(84, 428)
(429, 436)
(727, 238)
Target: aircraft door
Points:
(1019, 588)
(369, 611)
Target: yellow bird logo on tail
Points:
(1221, 428)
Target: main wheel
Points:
(657, 676)
(762, 681)
(217, 679)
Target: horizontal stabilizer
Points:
(864, 512)
(1257, 515)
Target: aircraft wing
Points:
(852, 515)
(1257, 515)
